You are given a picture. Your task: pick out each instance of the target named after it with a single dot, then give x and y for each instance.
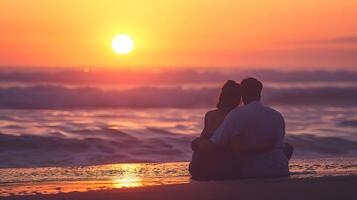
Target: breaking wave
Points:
(157, 146)
(55, 97)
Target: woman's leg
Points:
(216, 166)
(198, 167)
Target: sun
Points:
(122, 44)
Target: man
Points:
(255, 134)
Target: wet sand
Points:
(340, 187)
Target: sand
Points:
(340, 187)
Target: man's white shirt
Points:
(255, 124)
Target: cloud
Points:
(352, 39)
(336, 40)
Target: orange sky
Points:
(226, 33)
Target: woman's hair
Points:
(230, 96)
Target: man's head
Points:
(251, 90)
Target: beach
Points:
(310, 179)
(280, 188)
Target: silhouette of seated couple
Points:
(241, 141)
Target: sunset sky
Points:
(280, 34)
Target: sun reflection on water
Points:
(127, 182)
(130, 177)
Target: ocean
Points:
(77, 121)
(71, 118)
(36, 138)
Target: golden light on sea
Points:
(127, 182)
(129, 178)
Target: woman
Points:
(229, 99)
(204, 166)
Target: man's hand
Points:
(194, 144)
(203, 145)
(207, 146)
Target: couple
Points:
(241, 141)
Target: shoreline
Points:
(32, 182)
